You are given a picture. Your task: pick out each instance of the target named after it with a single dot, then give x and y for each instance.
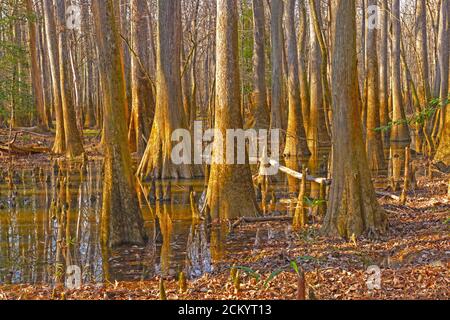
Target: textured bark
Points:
(141, 90)
(422, 46)
(261, 111)
(74, 145)
(277, 63)
(443, 151)
(373, 137)
(89, 86)
(122, 222)
(317, 24)
(384, 73)
(353, 207)
(399, 133)
(400, 137)
(36, 69)
(317, 130)
(424, 89)
(296, 145)
(230, 191)
(59, 145)
(303, 63)
(156, 161)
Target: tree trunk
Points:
(317, 130)
(422, 45)
(443, 151)
(74, 146)
(261, 110)
(424, 92)
(399, 132)
(169, 113)
(230, 191)
(35, 69)
(296, 145)
(122, 222)
(141, 90)
(303, 64)
(374, 143)
(59, 145)
(384, 73)
(353, 208)
(277, 63)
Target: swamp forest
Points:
(224, 149)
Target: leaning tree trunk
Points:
(373, 138)
(230, 191)
(261, 111)
(74, 145)
(122, 221)
(169, 114)
(353, 208)
(296, 145)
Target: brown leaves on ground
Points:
(414, 261)
(413, 258)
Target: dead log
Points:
(260, 219)
(387, 194)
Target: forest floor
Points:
(413, 257)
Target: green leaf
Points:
(250, 272)
(295, 267)
(272, 276)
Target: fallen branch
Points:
(260, 219)
(11, 148)
(294, 173)
(36, 131)
(387, 194)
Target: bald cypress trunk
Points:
(422, 45)
(36, 69)
(59, 145)
(141, 90)
(276, 22)
(169, 114)
(443, 151)
(399, 132)
(122, 221)
(384, 73)
(261, 111)
(303, 63)
(296, 145)
(353, 207)
(74, 145)
(230, 191)
(374, 143)
(424, 89)
(317, 130)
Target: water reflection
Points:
(50, 219)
